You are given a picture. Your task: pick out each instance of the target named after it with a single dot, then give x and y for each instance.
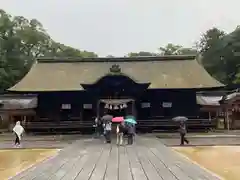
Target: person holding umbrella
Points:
(105, 120)
(183, 132)
(107, 131)
(130, 124)
(182, 128)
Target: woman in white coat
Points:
(18, 130)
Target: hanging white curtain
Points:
(106, 106)
(115, 107)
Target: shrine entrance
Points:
(116, 93)
(116, 107)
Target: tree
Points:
(21, 42)
(141, 53)
(172, 49)
(220, 54)
(212, 48)
(230, 56)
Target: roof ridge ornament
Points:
(115, 69)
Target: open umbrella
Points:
(130, 119)
(180, 118)
(118, 119)
(107, 117)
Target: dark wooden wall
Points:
(49, 105)
(183, 104)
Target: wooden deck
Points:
(90, 159)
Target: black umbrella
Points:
(107, 117)
(180, 118)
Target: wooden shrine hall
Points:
(71, 92)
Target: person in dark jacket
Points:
(97, 125)
(183, 132)
(131, 132)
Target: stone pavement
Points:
(90, 159)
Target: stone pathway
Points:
(90, 159)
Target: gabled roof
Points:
(67, 74)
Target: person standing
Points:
(183, 132)
(119, 131)
(108, 130)
(98, 127)
(18, 131)
(131, 132)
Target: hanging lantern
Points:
(121, 106)
(106, 106)
(110, 106)
(124, 105)
(115, 107)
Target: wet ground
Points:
(222, 160)
(33, 150)
(37, 148)
(13, 162)
(33, 142)
(219, 154)
(91, 159)
(203, 141)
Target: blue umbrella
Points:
(130, 120)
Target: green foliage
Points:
(141, 53)
(21, 42)
(220, 52)
(171, 49)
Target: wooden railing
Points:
(152, 124)
(170, 123)
(57, 125)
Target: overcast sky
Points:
(116, 27)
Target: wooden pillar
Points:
(98, 109)
(133, 108)
(228, 123)
(81, 113)
(209, 116)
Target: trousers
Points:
(130, 139)
(183, 139)
(119, 138)
(17, 140)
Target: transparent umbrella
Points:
(107, 117)
(180, 118)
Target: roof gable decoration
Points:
(115, 69)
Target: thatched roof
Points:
(67, 74)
